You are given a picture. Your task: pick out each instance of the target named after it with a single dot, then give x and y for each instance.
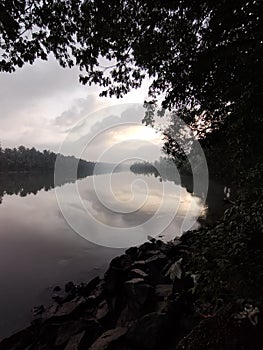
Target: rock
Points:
(71, 291)
(155, 265)
(93, 330)
(69, 307)
(74, 341)
(132, 252)
(46, 337)
(145, 247)
(151, 239)
(86, 289)
(185, 283)
(127, 317)
(107, 339)
(66, 309)
(20, 340)
(139, 296)
(139, 264)
(57, 298)
(68, 329)
(135, 280)
(138, 273)
(151, 332)
(137, 290)
(150, 254)
(163, 291)
(117, 273)
(122, 262)
(170, 248)
(158, 259)
(70, 287)
(161, 306)
(102, 311)
(90, 330)
(96, 297)
(57, 289)
(50, 311)
(38, 310)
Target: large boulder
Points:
(86, 289)
(74, 341)
(150, 332)
(139, 296)
(132, 252)
(20, 340)
(155, 264)
(137, 290)
(138, 273)
(66, 310)
(67, 330)
(102, 311)
(163, 291)
(106, 340)
(117, 273)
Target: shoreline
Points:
(145, 301)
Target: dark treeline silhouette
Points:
(166, 170)
(23, 184)
(26, 171)
(24, 159)
(144, 168)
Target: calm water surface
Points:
(39, 249)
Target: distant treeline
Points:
(166, 170)
(24, 159)
(144, 168)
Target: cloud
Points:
(79, 108)
(40, 103)
(32, 97)
(111, 134)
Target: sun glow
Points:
(138, 132)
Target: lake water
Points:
(50, 236)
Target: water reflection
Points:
(137, 206)
(38, 249)
(23, 184)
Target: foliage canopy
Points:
(203, 58)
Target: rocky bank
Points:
(146, 301)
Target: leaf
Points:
(175, 270)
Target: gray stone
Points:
(69, 307)
(74, 341)
(151, 332)
(139, 264)
(138, 273)
(66, 330)
(132, 252)
(137, 290)
(117, 273)
(126, 318)
(108, 338)
(103, 310)
(158, 258)
(163, 291)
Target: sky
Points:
(44, 106)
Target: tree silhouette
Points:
(23, 159)
(204, 58)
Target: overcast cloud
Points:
(43, 103)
